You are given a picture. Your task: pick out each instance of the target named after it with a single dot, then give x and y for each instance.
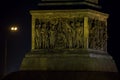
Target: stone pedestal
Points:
(69, 40)
(68, 60)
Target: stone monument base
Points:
(68, 60)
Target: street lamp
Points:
(13, 29)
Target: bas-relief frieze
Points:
(59, 33)
(68, 33)
(97, 34)
(65, 30)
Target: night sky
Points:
(17, 13)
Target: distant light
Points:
(14, 28)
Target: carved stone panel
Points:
(59, 32)
(69, 29)
(97, 34)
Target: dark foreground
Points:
(62, 75)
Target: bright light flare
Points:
(14, 28)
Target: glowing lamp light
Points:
(14, 28)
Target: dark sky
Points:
(17, 13)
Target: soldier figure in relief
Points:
(69, 33)
(44, 36)
(37, 37)
(52, 36)
(73, 33)
(78, 35)
(92, 32)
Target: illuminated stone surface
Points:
(72, 40)
(68, 60)
(66, 29)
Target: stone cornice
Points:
(80, 12)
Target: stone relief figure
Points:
(97, 34)
(61, 38)
(104, 39)
(44, 36)
(68, 35)
(79, 35)
(72, 25)
(37, 32)
(92, 34)
(52, 34)
(101, 34)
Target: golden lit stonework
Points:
(69, 29)
(67, 39)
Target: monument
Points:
(66, 38)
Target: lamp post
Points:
(12, 29)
